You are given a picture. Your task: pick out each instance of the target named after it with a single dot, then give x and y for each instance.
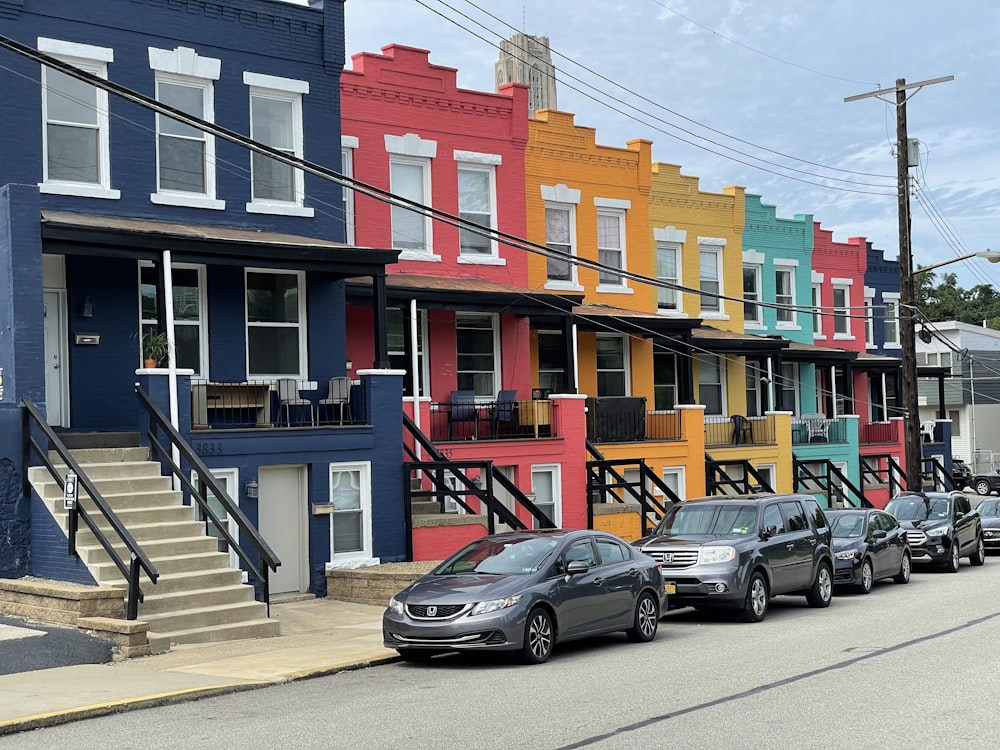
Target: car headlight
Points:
(493, 605)
(939, 531)
(709, 555)
(396, 606)
(847, 554)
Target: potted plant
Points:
(154, 348)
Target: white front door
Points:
(281, 520)
(56, 360)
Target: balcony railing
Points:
(877, 432)
(809, 429)
(737, 430)
(493, 420)
(624, 419)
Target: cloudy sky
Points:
(766, 78)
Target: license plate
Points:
(670, 587)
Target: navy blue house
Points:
(107, 210)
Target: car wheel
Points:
(822, 589)
(983, 487)
(979, 556)
(905, 567)
(646, 620)
(867, 577)
(952, 564)
(758, 597)
(539, 637)
(415, 654)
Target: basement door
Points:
(281, 519)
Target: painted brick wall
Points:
(882, 275)
(841, 260)
(49, 557)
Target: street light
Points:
(912, 439)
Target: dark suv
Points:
(941, 527)
(740, 551)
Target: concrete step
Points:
(191, 618)
(424, 507)
(143, 516)
(155, 549)
(260, 628)
(103, 455)
(105, 571)
(143, 533)
(157, 603)
(116, 469)
(86, 440)
(172, 583)
(47, 488)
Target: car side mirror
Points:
(769, 531)
(576, 567)
(879, 534)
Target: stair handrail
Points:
(648, 502)
(494, 507)
(711, 484)
(137, 557)
(800, 468)
(939, 475)
(208, 480)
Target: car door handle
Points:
(633, 572)
(790, 546)
(598, 581)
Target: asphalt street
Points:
(27, 645)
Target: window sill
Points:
(843, 337)
(418, 255)
(187, 201)
(482, 260)
(79, 190)
(672, 313)
(788, 327)
(751, 326)
(280, 209)
(819, 337)
(614, 289)
(563, 286)
(892, 346)
(713, 315)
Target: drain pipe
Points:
(168, 307)
(414, 367)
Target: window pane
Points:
(188, 349)
(273, 351)
(272, 180)
(272, 122)
(709, 279)
(186, 298)
(188, 99)
(664, 380)
(408, 226)
(72, 153)
(473, 242)
(610, 383)
(476, 356)
(272, 298)
(666, 270)
(610, 353)
(347, 532)
(69, 100)
(182, 164)
(474, 191)
(557, 238)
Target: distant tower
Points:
(527, 59)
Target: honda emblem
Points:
(432, 611)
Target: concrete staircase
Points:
(197, 597)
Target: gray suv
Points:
(738, 552)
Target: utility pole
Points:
(907, 312)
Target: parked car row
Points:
(526, 591)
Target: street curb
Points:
(326, 671)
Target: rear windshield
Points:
(714, 519)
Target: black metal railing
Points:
(936, 475)
(607, 483)
(727, 431)
(624, 419)
(198, 491)
(807, 430)
(882, 470)
(874, 433)
(492, 420)
(32, 421)
(828, 480)
(719, 481)
(250, 404)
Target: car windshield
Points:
(718, 520)
(503, 557)
(989, 508)
(918, 509)
(848, 526)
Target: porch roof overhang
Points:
(603, 318)
(467, 294)
(936, 372)
(70, 233)
(867, 362)
(729, 342)
(827, 355)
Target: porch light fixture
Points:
(87, 308)
(349, 365)
(251, 489)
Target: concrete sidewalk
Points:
(318, 637)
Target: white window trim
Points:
(231, 481)
(556, 471)
(91, 59)
(207, 199)
(891, 297)
(723, 372)
(750, 260)
(493, 259)
(286, 90)
(411, 145)
(715, 246)
(617, 210)
(203, 345)
(425, 163)
(844, 284)
(681, 473)
(572, 284)
(302, 326)
(869, 316)
(347, 146)
(475, 157)
(364, 468)
(817, 314)
(678, 250)
(789, 266)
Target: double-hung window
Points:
(817, 313)
(75, 142)
(410, 178)
(710, 281)
(551, 362)
(185, 155)
(841, 311)
(784, 295)
(711, 372)
(276, 121)
(276, 331)
(545, 486)
(668, 271)
(789, 385)
(477, 350)
(350, 519)
(751, 295)
(559, 221)
(869, 317)
(611, 242)
(890, 318)
(612, 365)
(190, 313)
(347, 145)
(664, 380)
(477, 204)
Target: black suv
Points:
(941, 527)
(740, 551)
(961, 474)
